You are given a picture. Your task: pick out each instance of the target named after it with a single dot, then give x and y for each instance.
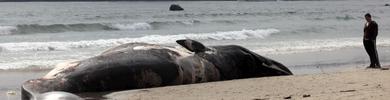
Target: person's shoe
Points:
(378, 65)
(384, 68)
(372, 67)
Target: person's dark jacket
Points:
(371, 30)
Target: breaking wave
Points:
(86, 27)
(59, 28)
(5, 30)
(159, 39)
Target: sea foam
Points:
(314, 45)
(133, 27)
(157, 39)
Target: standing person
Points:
(369, 41)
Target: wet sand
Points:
(11, 80)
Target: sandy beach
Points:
(360, 84)
(353, 84)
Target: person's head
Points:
(368, 17)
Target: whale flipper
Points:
(192, 45)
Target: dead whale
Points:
(142, 65)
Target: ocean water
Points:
(36, 35)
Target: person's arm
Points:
(365, 29)
(375, 28)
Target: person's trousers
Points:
(370, 46)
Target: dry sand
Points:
(361, 84)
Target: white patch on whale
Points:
(58, 95)
(60, 68)
(148, 47)
(211, 51)
(180, 50)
